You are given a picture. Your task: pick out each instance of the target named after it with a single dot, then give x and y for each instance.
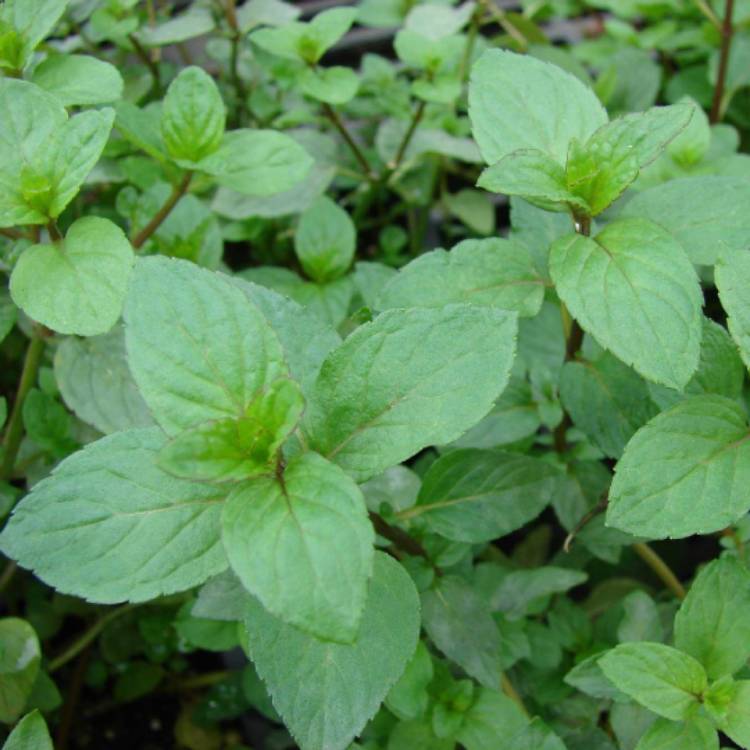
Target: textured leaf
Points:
(475, 496)
(198, 349)
(325, 691)
(697, 734)
(713, 623)
(77, 285)
(633, 288)
(19, 666)
(705, 214)
(410, 379)
(493, 717)
(409, 697)
(663, 679)
(33, 20)
(193, 115)
(30, 734)
(304, 546)
(460, 624)
(109, 526)
(686, 472)
(492, 272)
(79, 80)
(733, 281)
(518, 102)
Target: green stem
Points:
(509, 689)
(406, 140)
(660, 568)
(80, 644)
(14, 429)
(159, 217)
(727, 32)
(337, 123)
(146, 59)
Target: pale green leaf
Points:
(518, 102)
(641, 620)
(492, 272)
(475, 496)
(78, 284)
(696, 734)
(109, 526)
(438, 21)
(32, 20)
(473, 208)
(142, 127)
(685, 472)
(193, 116)
(265, 13)
(198, 348)
(303, 546)
(663, 679)
(324, 691)
(713, 623)
(196, 22)
(336, 85)
(29, 734)
(733, 282)
(737, 722)
(79, 80)
(633, 288)
(409, 379)
(19, 665)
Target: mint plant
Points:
(308, 442)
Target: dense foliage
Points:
(280, 471)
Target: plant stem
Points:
(335, 120)
(80, 644)
(230, 11)
(406, 140)
(708, 12)
(177, 192)
(471, 38)
(398, 537)
(507, 26)
(727, 31)
(660, 568)
(14, 429)
(200, 681)
(54, 233)
(146, 59)
(12, 234)
(509, 689)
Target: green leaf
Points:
(32, 20)
(536, 735)
(192, 117)
(96, 384)
(605, 399)
(77, 285)
(109, 526)
(685, 472)
(47, 424)
(473, 208)
(661, 678)
(705, 214)
(409, 379)
(327, 28)
(324, 691)
(737, 722)
(229, 450)
(316, 509)
(733, 280)
(600, 170)
(409, 697)
(641, 620)
(336, 85)
(518, 102)
(536, 177)
(142, 127)
(713, 623)
(458, 621)
(198, 348)
(633, 288)
(79, 80)
(475, 496)
(438, 21)
(265, 13)
(258, 162)
(696, 734)
(8, 314)
(492, 272)
(325, 240)
(19, 666)
(30, 734)
(196, 22)
(493, 716)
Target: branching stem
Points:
(160, 216)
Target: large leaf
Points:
(686, 472)
(633, 288)
(409, 379)
(733, 281)
(475, 495)
(29, 734)
(303, 545)
(661, 678)
(713, 623)
(326, 692)
(19, 666)
(77, 285)
(518, 102)
(493, 272)
(198, 349)
(109, 526)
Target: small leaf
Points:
(29, 734)
(79, 80)
(492, 717)
(19, 665)
(32, 20)
(733, 281)
(633, 288)
(663, 679)
(685, 472)
(77, 285)
(193, 116)
(336, 85)
(713, 623)
(326, 692)
(109, 526)
(316, 509)
(409, 379)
